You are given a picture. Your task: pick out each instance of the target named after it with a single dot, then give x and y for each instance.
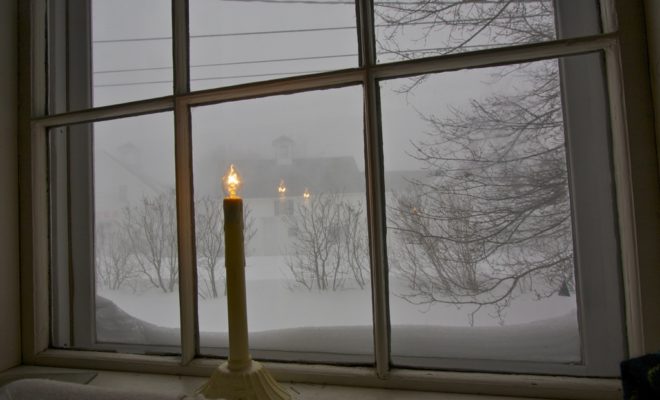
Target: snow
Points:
(285, 318)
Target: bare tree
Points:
(310, 257)
(210, 245)
(151, 229)
(329, 243)
(413, 29)
(354, 241)
(249, 227)
(491, 220)
(113, 253)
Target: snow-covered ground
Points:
(283, 317)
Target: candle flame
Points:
(306, 194)
(232, 181)
(281, 189)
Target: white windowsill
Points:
(186, 385)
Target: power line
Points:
(277, 60)
(429, 50)
(322, 2)
(208, 78)
(381, 3)
(273, 60)
(301, 30)
(412, 51)
(154, 38)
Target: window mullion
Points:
(185, 231)
(636, 190)
(33, 181)
(180, 50)
(597, 262)
(375, 191)
(80, 150)
(184, 188)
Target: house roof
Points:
(325, 174)
(140, 177)
(401, 180)
(282, 140)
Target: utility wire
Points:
(384, 3)
(147, 39)
(277, 60)
(429, 50)
(323, 2)
(273, 60)
(301, 30)
(208, 79)
(254, 75)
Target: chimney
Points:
(283, 147)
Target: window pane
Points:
(129, 300)
(113, 54)
(233, 42)
(132, 59)
(307, 263)
(411, 29)
(480, 242)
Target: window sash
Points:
(182, 100)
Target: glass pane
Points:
(480, 243)
(307, 266)
(412, 29)
(132, 50)
(125, 225)
(135, 227)
(233, 42)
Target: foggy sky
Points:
(322, 123)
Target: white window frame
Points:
(35, 220)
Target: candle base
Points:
(252, 383)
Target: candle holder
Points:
(240, 377)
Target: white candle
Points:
(239, 355)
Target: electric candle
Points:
(239, 378)
(306, 196)
(239, 356)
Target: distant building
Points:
(120, 181)
(268, 207)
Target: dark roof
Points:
(401, 180)
(329, 174)
(322, 174)
(144, 179)
(285, 140)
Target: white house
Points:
(120, 180)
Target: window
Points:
(453, 163)
(283, 207)
(491, 215)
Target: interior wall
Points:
(652, 9)
(637, 155)
(652, 324)
(9, 276)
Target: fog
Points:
(322, 123)
(315, 140)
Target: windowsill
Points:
(171, 384)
